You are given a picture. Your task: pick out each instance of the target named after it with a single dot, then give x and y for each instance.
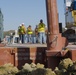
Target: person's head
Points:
(29, 25)
(41, 21)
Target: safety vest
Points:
(29, 31)
(21, 30)
(41, 27)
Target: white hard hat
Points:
(22, 23)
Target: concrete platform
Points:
(26, 45)
(70, 46)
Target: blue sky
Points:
(28, 12)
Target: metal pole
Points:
(54, 37)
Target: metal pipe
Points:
(52, 16)
(53, 36)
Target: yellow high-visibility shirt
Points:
(29, 31)
(41, 27)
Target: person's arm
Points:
(24, 30)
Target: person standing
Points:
(24, 40)
(22, 32)
(11, 38)
(36, 34)
(41, 31)
(30, 33)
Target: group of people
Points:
(27, 35)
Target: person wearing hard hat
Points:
(22, 32)
(30, 33)
(25, 35)
(41, 31)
